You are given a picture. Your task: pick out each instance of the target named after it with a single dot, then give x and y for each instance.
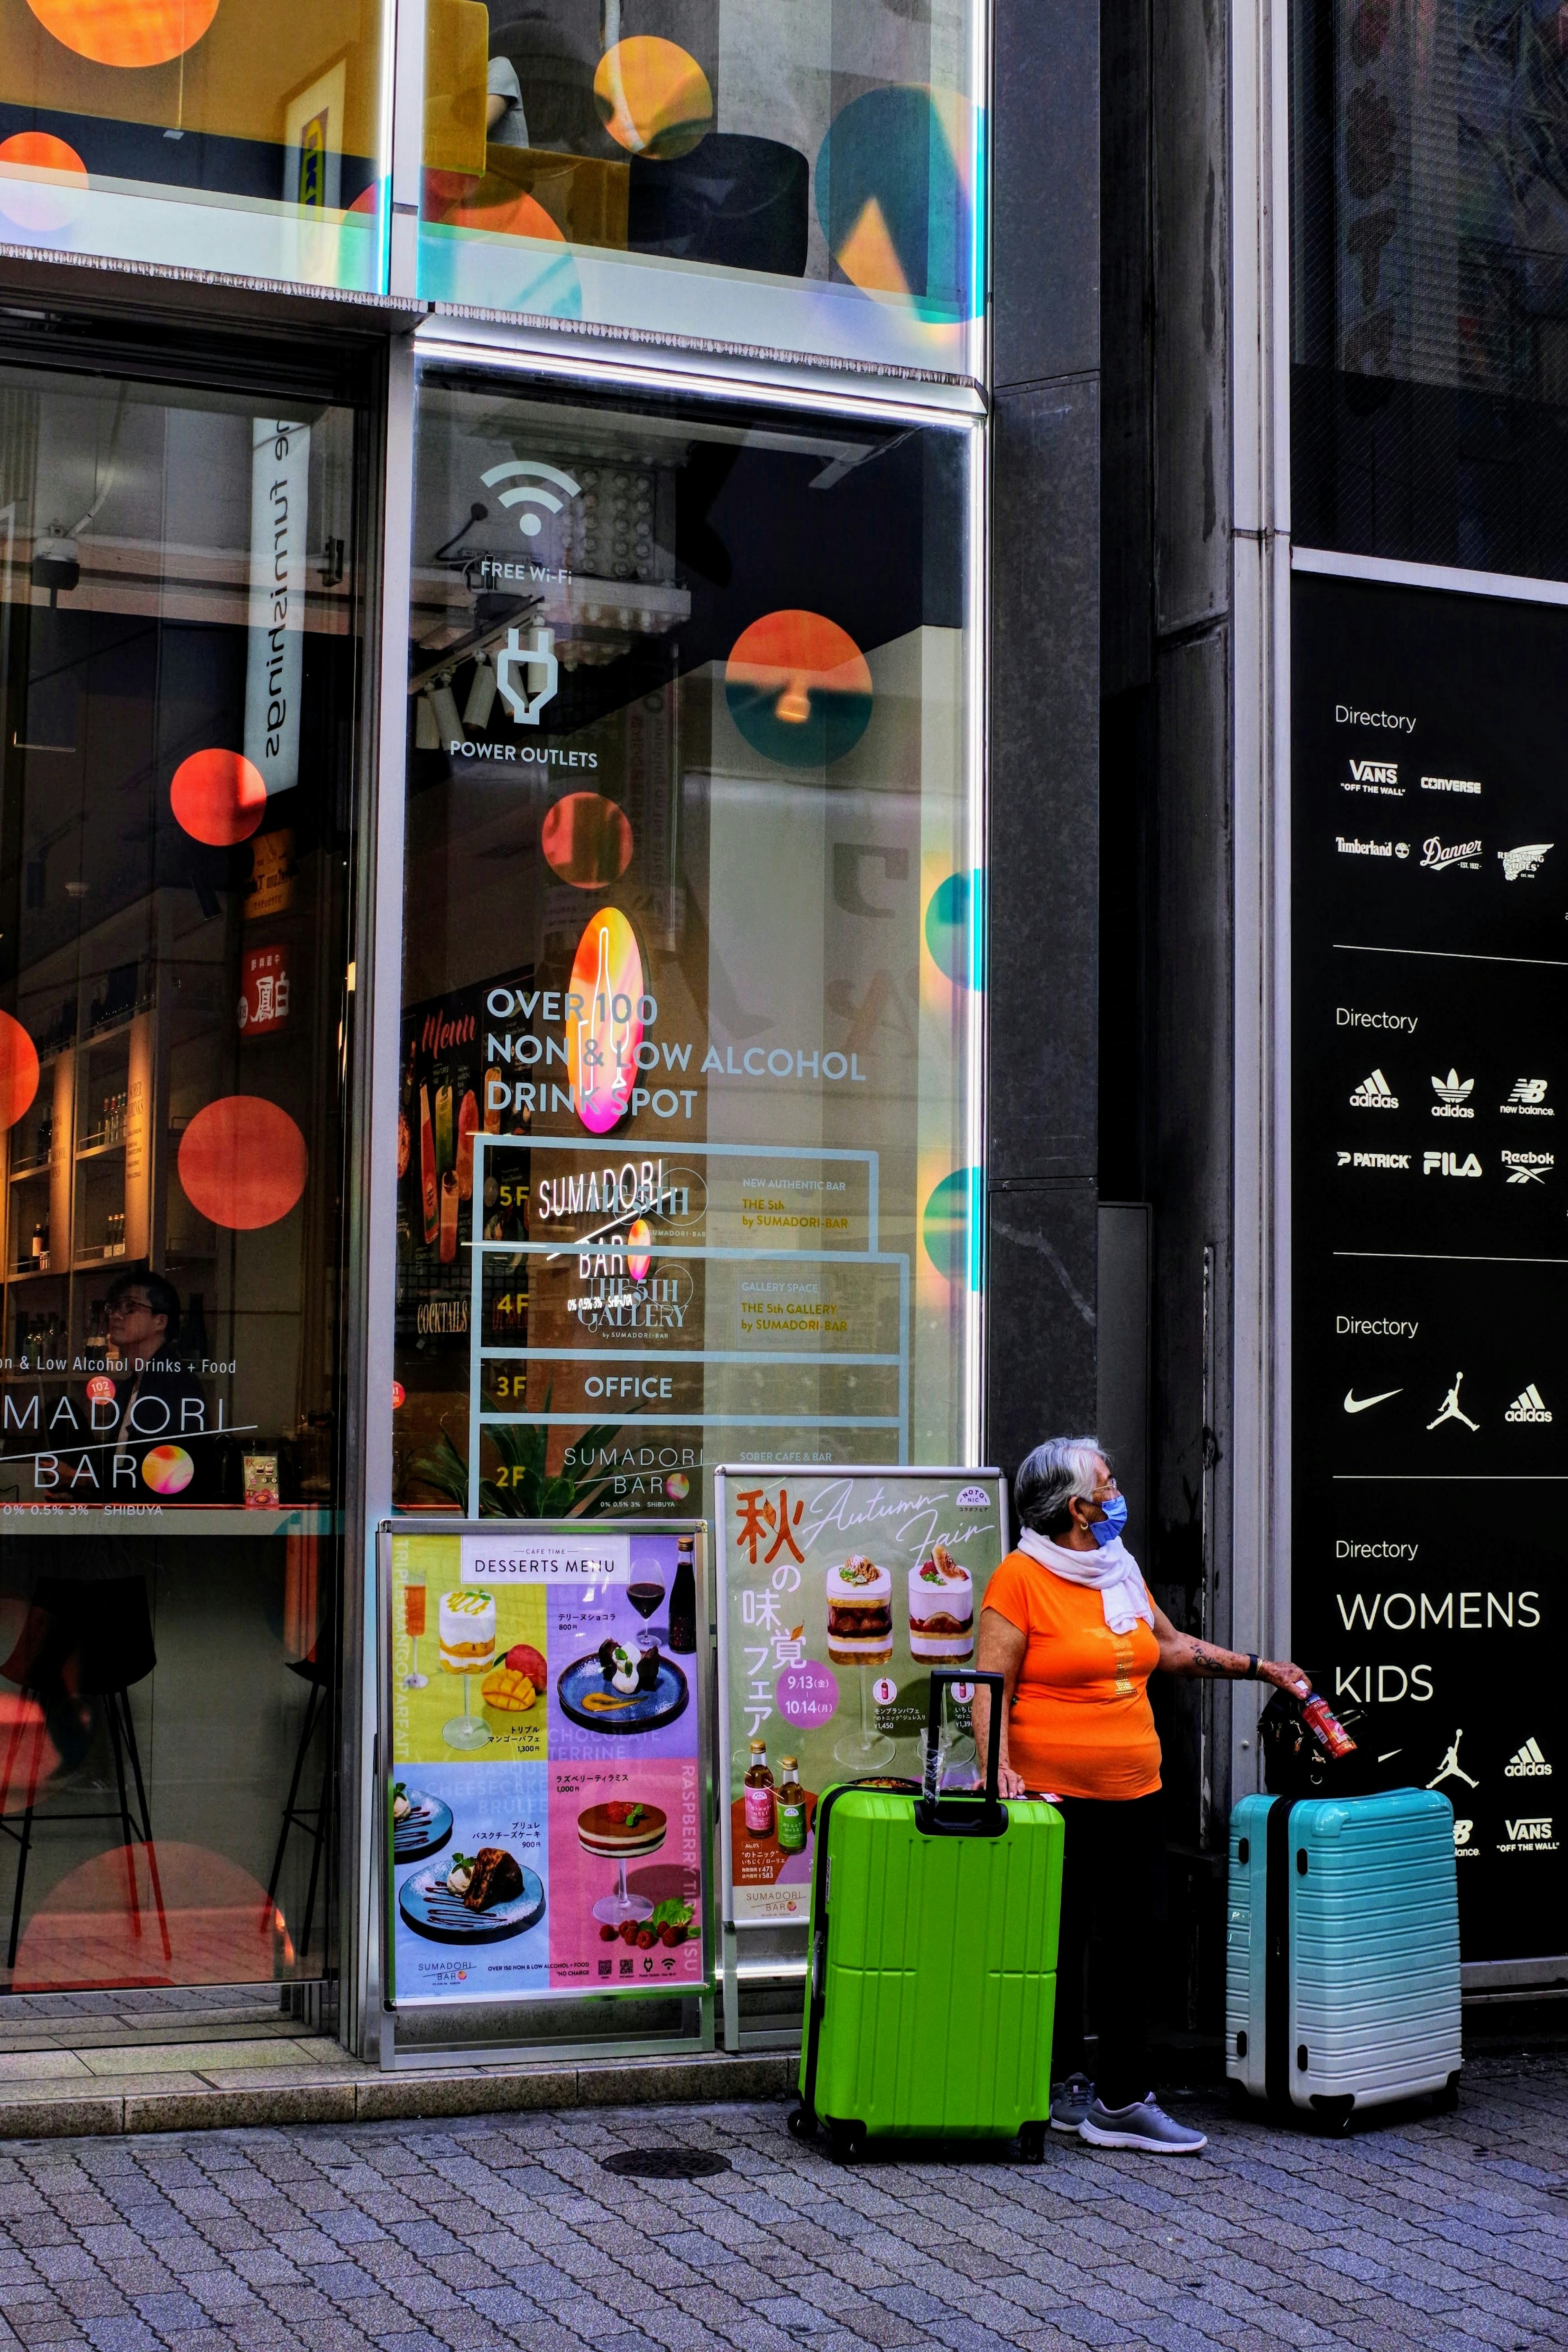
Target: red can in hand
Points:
(1325, 1725)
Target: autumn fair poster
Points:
(545, 1807)
(839, 1592)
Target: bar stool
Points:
(316, 1674)
(82, 1640)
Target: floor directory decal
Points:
(546, 1783)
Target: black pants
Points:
(1113, 1909)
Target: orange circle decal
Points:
(167, 1469)
(18, 1070)
(42, 206)
(218, 797)
(242, 1162)
(126, 32)
(586, 841)
(652, 98)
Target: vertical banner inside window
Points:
(838, 1594)
(279, 505)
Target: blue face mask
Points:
(1107, 1531)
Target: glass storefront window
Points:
(243, 137)
(693, 910)
(1429, 331)
(612, 163)
(179, 661)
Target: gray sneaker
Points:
(1143, 2125)
(1069, 2103)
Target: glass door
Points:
(179, 660)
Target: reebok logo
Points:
(1523, 865)
(1436, 859)
(1527, 1167)
(1528, 1100)
(1528, 1405)
(1373, 1094)
(1453, 1095)
(1449, 1164)
(1530, 1835)
(1527, 1764)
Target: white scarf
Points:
(1110, 1569)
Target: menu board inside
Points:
(546, 1791)
(839, 1592)
(1430, 1212)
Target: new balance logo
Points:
(1529, 1764)
(1449, 1164)
(1453, 1095)
(1522, 864)
(1375, 1093)
(1528, 1100)
(1528, 1405)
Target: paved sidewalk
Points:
(1447, 2234)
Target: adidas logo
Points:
(1529, 1764)
(1528, 1405)
(1375, 1093)
(1453, 1092)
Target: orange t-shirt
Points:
(1080, 1721)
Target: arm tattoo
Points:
(1212, 1661)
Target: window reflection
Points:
(690, 967)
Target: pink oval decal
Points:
(604, 1028)
(639, 1248)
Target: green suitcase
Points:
(934, 1925)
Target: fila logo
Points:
(1453, 1096)
(1373, 1094)
(1529, 1764)
(1528, 1100)
(1438, 860)
(1374, 772)
(1528, 1405)
(1522, 864)
(1527, 1167)
(1449, 1164)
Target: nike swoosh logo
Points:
(1353, 1403)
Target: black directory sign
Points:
(1429, 1104)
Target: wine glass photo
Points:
(619, 1832)
(645, 1596)
(414, 1598)
(467, 1647)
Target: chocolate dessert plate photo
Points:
(476, 1898)
(619, 1690)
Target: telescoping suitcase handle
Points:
(965, 1815)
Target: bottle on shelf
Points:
(759, 1800)
(683, 1599)
(38, 1244)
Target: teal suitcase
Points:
(933, 1940)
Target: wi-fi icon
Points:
(531, 494)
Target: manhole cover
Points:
(665, 2163)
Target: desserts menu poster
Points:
(545, 1812)
(839, 1592)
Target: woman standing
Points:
(1073, 1629)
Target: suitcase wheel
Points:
(846, 2142)
(1031, 2143)
(1332, 2115)
(801, 2125)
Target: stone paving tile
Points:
(1435, 2234)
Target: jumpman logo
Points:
(1451, 1408)
(1449, 1769)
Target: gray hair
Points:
(1059, 1471)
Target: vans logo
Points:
(1529, 1764)
(1437, 859)
(1374, 772)
(1528, 1405)
(1453, 1095)
(1532, 1834)
(1373, 1094)
(1523, 865)
(1449, 1164)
